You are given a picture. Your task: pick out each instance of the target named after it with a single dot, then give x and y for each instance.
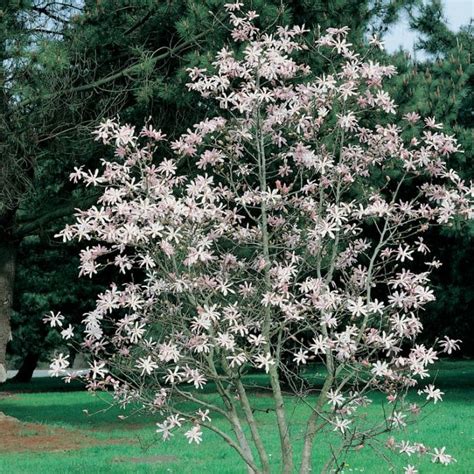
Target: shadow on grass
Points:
(42, 384)
(78, 410)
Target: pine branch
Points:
(124, 72)
(30, 226)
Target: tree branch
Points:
(29, 227)
(139, 23)
(117, 75)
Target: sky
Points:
(458, 13)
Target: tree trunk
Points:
(28, 366)
(7, 275)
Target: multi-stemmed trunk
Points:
(283, 427)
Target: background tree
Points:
(46, 277)
(440, 84)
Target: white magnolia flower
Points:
(319, 345)
(357, 307)
(341, 424)
(97, 369)
(441, 456)
(264, 361)
(433, 393)
(335, 398)
(301, 357)
(58, 365)
(204, 415)
(380, 369)
(147, 365)
(165, 430)
(194, 435)
(54, 319)
(67, 333)
(449, 345)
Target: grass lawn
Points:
(106, 444)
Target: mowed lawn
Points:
(99, 442)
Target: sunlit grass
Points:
(137, 450)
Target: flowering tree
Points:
(298, 240)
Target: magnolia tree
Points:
(298, 239)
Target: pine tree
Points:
(441, 85)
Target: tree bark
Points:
(7, 276)
(28, 366)
(312, 428)
(244, 401)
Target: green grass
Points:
(136, 450)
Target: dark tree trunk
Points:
(7, 218)
(7, 276)
(28, 366)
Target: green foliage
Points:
(46, 279)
